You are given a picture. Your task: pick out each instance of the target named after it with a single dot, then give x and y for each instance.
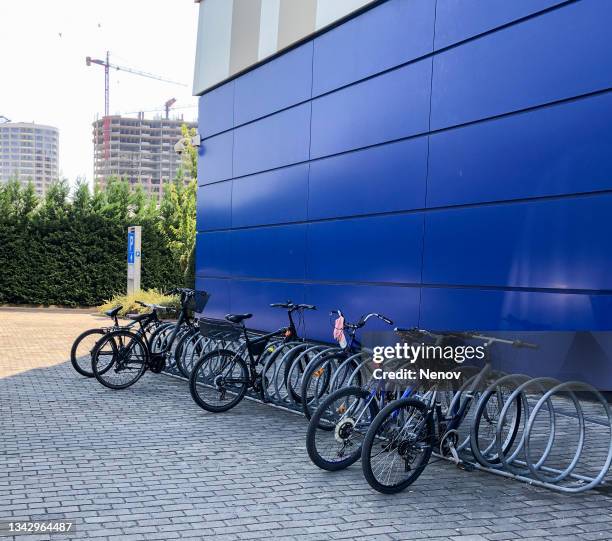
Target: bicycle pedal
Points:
(465, 466)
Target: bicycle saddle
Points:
(237, 318)
(113, 312)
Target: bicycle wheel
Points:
(338, 427)
(484, 427)
(294, 369)
(195, 346)
(82, 350)
(219, 381)
(315, 382)
(158, 340)
(397, 446)
(176, 351)
(119, 359)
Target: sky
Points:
(44, 78)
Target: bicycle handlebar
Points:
(154, 306)
(292, 306)
(521, 344)
(472, 336)
(475, 335)
(362, 321)
(180, 291)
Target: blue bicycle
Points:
(338, 426)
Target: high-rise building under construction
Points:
(140, 150)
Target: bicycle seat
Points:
(237, 318)
(113, 312)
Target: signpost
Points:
(133, 259)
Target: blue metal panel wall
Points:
(445, 162)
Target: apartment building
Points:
(29, 152)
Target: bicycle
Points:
(84, 344)
(221, 378)
(319, 373)
(122, 356)
(401, 439)
(338, 426)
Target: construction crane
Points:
(167, 106)
(106, 64)
(107, 67)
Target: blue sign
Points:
(131, 243)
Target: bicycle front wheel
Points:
(119, 359)
(397, 446)
(219, 381)
(338, 427)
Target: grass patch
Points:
(151, 296)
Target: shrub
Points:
(151, 296)
(72, 251)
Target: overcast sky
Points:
(43, 76)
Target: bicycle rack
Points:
(552, 434)
(543, 432)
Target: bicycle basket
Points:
(219, 329)
(198, 302)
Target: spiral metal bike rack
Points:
(544, 432)
(552, 434)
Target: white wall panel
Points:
(268, 33)
(214, 43)
(329, 11)
(225, 45)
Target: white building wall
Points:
(217, 45)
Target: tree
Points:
(189, 157)
(69, 248)
(17, 200)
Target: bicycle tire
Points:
(426, 434)
(319, 368)
(294, 370)
(76, 359)
(346, 424)
(209, 381)
(103, 373)
(176, 351)
(194, 347)
(156, 336)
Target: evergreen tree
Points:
(72, 250)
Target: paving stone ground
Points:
(147, 464)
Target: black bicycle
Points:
(122, 356)
(222, 377)
(399, 442)
(84, 344)
(148, 328)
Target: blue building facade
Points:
(445, 162)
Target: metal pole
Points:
(133, 259)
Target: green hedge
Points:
(72, 251)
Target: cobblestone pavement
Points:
(146, 463)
